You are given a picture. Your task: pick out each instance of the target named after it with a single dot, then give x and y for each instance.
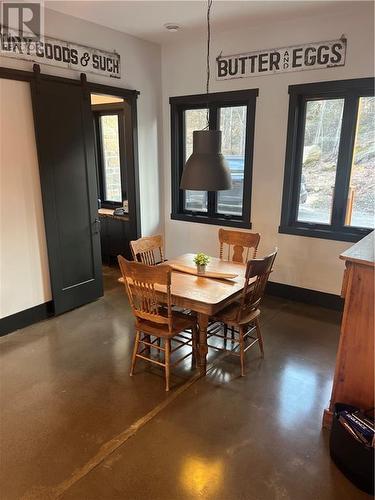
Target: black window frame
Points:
(351, 90)
(213, 101)
(105, 110)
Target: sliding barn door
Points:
(65, 141)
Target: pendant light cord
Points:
(209, 5)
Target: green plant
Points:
(201, 259)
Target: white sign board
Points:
(61, 54)
(315, 55)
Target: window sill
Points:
(202, 219)
(110, 205)
(349, 234)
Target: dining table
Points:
(203, 295)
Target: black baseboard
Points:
(328, 300)
(25, 318)
(44, 311)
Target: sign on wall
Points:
(61, 54)
(314, 55)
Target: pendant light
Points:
(206, 169)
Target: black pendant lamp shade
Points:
(206, 169)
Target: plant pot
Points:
(201, 268)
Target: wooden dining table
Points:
(205, 296)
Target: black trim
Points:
(25, 318)
(338, 87)
(131, 171)
(213, 101)
(305, 295)
(214, 97)
(44, 311)
(350, 90)
(204, 219)
(119, 112)
(317, 231)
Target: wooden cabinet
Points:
(114, 237)
(354, 373)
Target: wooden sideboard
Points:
(353, 381)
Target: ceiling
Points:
(146, 19)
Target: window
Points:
(110, 153)
(195, 119)
(233, 113)
(329, 179)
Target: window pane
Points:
(320, 151)
(360, 208)
(233, 127)
(111, 157)
(195, 119)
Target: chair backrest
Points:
(253, 291)
(140, 280)
(148, 250)
(237, 243)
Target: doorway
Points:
(117, 178)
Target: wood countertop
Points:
(362, 252)
(108, 212)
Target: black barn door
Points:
(65, 141)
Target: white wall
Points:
(141, 70)
(24, 272)
(305, 262)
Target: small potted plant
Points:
(201, 260)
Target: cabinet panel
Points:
(115, 236)
(353, 382)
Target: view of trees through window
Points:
(195, 119)
(320, 152)
(360, 209)
(109, 131)
(323, 124)
(233, 126)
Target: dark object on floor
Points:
(353, 458)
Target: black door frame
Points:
(131, 147)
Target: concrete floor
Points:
(74, 425)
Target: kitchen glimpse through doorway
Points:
(116, 174)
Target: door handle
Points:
(97, 225)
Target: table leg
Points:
(202, 348)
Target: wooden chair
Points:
(243, 316)
(153, 319)
(237, 242)
(148, 250)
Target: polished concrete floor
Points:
(74, 425)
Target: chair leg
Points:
(135, 350)
(194, 338)
(159, 345)
(232, 330)
(242, 352)
(147, 338)
(167, 361)
(225, 335)
(259, 335)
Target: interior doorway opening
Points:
(116, 178)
